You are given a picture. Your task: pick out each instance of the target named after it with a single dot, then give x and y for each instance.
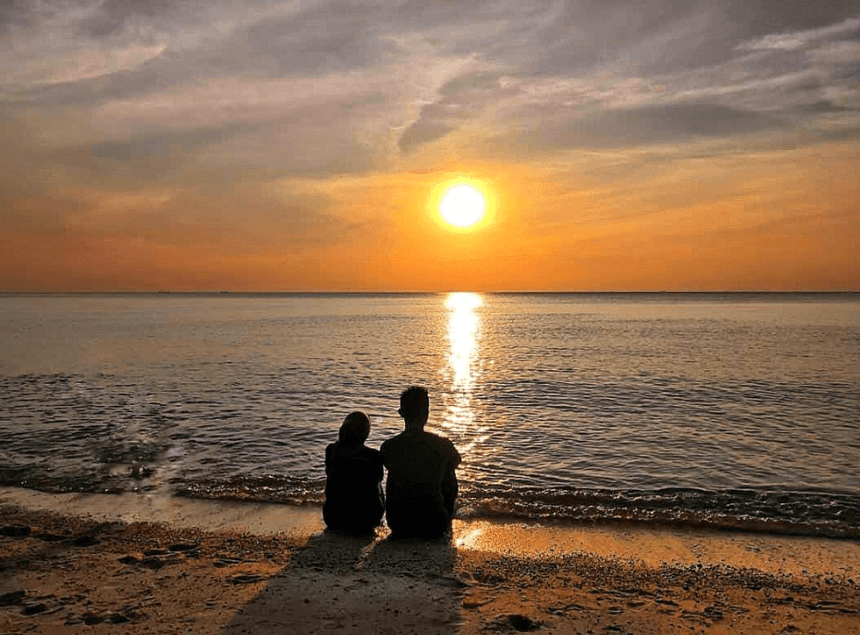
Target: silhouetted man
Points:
(421, 491)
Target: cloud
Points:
(48, 43)
(460, 99)
(132, 53)
(113, 18)
(640, 126)
(800, 39)
(161, 147)
(322, 40)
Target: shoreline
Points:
(157, 564)
(773, 553)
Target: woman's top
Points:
(353, 490)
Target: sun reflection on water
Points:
(463, 330)
(464, 334)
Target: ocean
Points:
(737, 410)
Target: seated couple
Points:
(421, 490)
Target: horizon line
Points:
(430, 292)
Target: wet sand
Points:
(132, 564)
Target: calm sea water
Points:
(728, 410)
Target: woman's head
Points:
(355, 428)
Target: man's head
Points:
(414, 407)
(355, 429)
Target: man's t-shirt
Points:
(422, 487)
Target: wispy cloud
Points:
(790, 41)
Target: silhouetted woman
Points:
(353, 489)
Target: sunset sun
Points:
(462, 205)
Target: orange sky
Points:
(268, 147)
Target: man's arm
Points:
(454, 457)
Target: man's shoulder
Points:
(404, 439)
(416, 437)
(441, 446)
(446, 447)
(438, 439)
(390, 445)
(389, 442)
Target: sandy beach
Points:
(126, 564)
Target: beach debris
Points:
(152, 562)
(226, 562)
(560, 610)
(33, 609)
(13, 597)
(245, 578)
(139, 471)
(87, 540)
(91, 618)
(41, 605)
(122, 616)
(518, 622)
(182, 547)
(15, 531)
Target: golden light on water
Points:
(464, 333)
(463, 327)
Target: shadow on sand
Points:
(347, 584)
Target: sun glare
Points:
(462, 205)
